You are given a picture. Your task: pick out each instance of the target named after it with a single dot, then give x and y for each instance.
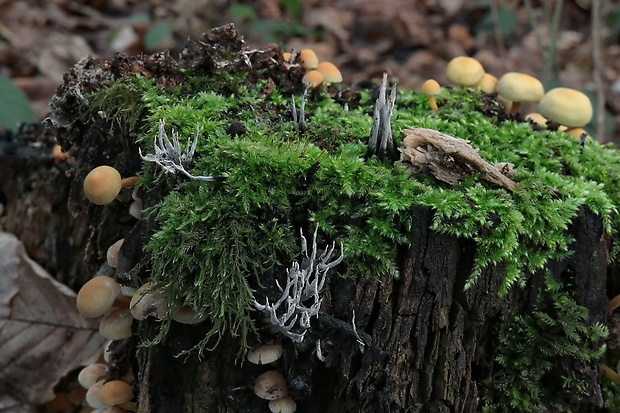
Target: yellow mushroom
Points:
(103, 184)
(431, 88)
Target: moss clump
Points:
(539, 353)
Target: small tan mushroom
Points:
(112, 253)
(135, 208)
(103, 184)
(566, 106)
(97, 296)
(186, 314)
(271, 385)
(519, 87)
(431, 88)
(488, 83)
(331, 74)
(578, 133)
(613, 304)
(308, 59)
(283, 405)
(58, 155)
(91, 374)
(116, 324)
(148, 301)
(312, 79)
(265, 354)
(609, 373)
(115, 392)
(464, 71)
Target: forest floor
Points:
(412, 41)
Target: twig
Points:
(554, 28)
(597, 59)
(497, 32)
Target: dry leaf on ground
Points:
(42, 336)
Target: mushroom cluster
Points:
(271, 385)
(570, 109)
(105, 393)
(317, 72)
(118, 306)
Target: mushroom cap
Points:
(283, 405)
(186, 314)
(330, 72)
(112, 253)
(308, 58)
(577, 133)
(265, 354)
(92, 373)
(537, 118)
(115, 392)
(102, 184)
(566, 106)
(488, 83)
(271, 385)
(520, 87)
(93, 396)
(464, 71)
(312, 78)
(116, 324)
(430, 87)
(97, 296)
(148, 301)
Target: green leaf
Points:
(506, 19)
(156, 34)
(14, 105)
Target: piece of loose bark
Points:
(449, 159)
(42, 336)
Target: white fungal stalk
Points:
(300, 299)
(168, 153)
(381, 140)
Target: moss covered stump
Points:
(391, 287)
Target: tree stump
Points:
(419, 342)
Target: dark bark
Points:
(33, 192)
(427, 342)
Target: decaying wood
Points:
(449, 159)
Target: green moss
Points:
(217, 241)
(539, 355)
(123, 103)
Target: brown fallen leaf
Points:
(42, 336)
(449, 159)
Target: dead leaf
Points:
(449, 159)
(42, 336)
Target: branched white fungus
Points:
(168, 153)
(303, 283)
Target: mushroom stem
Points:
(613, 304)
(125, 182)
(515, 107)
(432, 102)
(610, 374)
